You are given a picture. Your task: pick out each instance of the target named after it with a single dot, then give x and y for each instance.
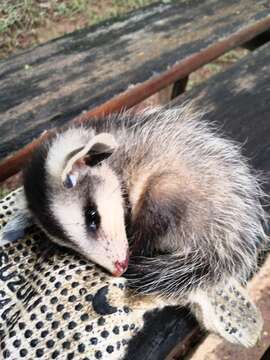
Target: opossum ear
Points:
(93, 153)
(103, 147)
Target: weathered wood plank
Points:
(51, 84)
(141, 92)
(238, 101)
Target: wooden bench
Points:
(121, 63)
(116, 65)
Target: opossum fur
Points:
(189, 202)
(196, 214)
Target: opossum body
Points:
(184, 197)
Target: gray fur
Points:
(200, 185)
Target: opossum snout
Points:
(121, 266)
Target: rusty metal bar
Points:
(140, 92)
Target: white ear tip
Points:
(107, 139)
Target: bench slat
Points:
(49, 85)
(238, 101)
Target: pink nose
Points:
(120, 267)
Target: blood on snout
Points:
(121, 266)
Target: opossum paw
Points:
(229, 312)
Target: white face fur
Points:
(86, 199)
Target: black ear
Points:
(96, 159)
(99, 148)
(97, 154)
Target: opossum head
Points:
(76, 197)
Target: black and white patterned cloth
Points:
(54, 304)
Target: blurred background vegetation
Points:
(24, 23)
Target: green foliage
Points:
(71, 7)
(20, 18)
(19, 13)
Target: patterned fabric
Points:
(54, 304)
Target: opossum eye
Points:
(92, 219)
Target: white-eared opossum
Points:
(185, 199)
